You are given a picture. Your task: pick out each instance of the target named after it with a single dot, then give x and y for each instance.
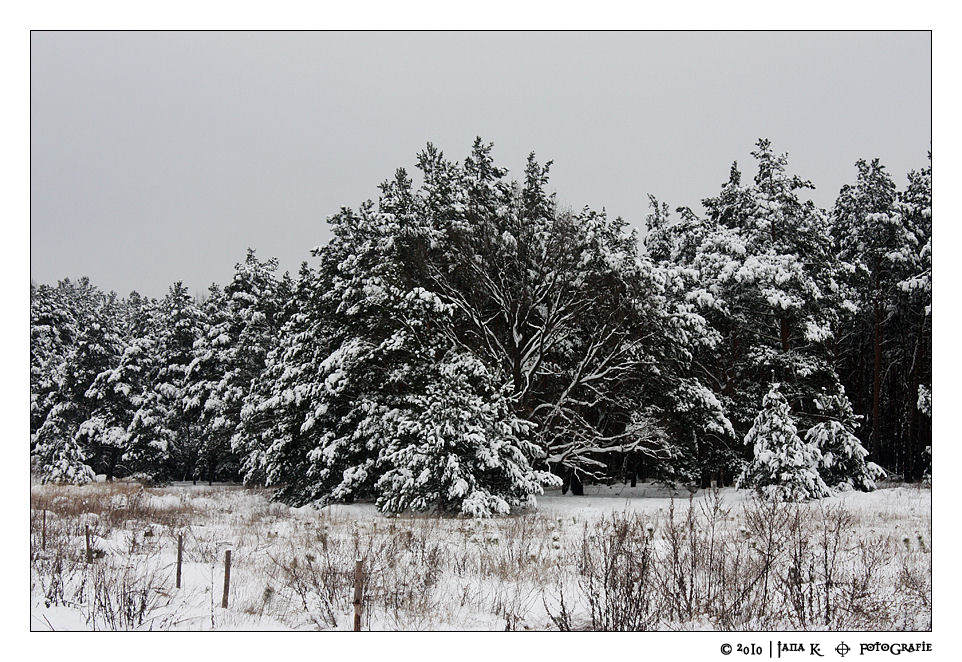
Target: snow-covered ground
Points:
(616, 557)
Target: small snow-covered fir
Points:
(784, 466)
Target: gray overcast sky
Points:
(161, 156)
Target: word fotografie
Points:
(778, 647)
(895, 649)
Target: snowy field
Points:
(616, 558)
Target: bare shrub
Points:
(126, 597)
(319, 578)
(614, 565)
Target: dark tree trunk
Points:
(631, 462)
(112, 464)
(877, 383)
(913, 446)
(516, 375)
(572, 481)
(786, 335)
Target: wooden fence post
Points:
(90, 556)
(180, 555)
(223, 602)
(358, 594)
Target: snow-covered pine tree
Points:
(57, 317)
(459, 447)
(62, 450)
(915, 207)
(52, 331)
(242, 328)
(776, 275)
(113, 400)
(117, 393)
(57, 457)
(370, 346)
(560, 303)
(163, 434)
(308, 425)
(843, 465)
(204, 379)
(139, 316)
(784, 466)
(362, 363)
(272, 440)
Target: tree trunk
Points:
(912, 414)
(786, 335)
(112, 465)
(631, 469)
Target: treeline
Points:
(460, 344)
